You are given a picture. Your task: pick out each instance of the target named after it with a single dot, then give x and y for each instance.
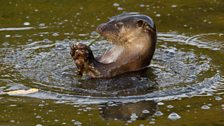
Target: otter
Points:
(134, 38)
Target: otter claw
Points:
(80, 54)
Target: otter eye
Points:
(119, 24)
(140, 23)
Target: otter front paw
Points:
(82, 56)
(79, 53)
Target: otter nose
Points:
(101, 28)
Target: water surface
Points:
(183, 85)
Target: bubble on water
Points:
(55, 34)
(46, 41)
(116, 5)
(145, 111)
(170, 106)
(13, 105)
(77, 123)
(39, 125)
(141, 125)
(158, 15)
(26, 23)
(171, 51)
(188, 106)
(209, 104)
(218, 98)
(36, 10)
(141, 5)
(88, 108)
(17, 66)
(38, 117)
(129, 121)
(41, 25)
(173, 6)
(5, 44)
(120, 8)
(158, 113)
(12, 121)
(133, 116)
(152, 122)
(205, 107)
(7, 36)
(77, 13)
(160, 103)
(41, 105)
(174, 116)
(60, 46)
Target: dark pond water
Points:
(184, 85)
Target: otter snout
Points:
(101, 28)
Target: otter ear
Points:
(144, 25)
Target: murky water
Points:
(183, 85)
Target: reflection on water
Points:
(128, 111)
(188, 64)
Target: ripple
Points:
(175, 72)
(20, 28)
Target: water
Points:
(185, 76)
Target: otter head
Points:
(127, 28)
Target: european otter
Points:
(134, 36)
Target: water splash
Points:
(175, 72)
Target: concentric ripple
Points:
(181, 67)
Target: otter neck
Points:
(137, 42)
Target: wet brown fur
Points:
(134, 37)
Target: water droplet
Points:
(7, 36)
(160, 103)
(12, 105)
(55, 34)
(158, 113)
(174, 6)
(188, 106)
(174, 116)
(36, 10)
(41, 105)
(152, 122)
(26, 23)
(41, 25)
(170, 106)
(218, 98)
(145, 111)
(141, 5)
(5, 44)
(77, 123)
(133, 116)
(116, 5)
(120, 8)
(12, 121)
(38, 117)
(205, 107)
(158, 15)
(129, 121)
